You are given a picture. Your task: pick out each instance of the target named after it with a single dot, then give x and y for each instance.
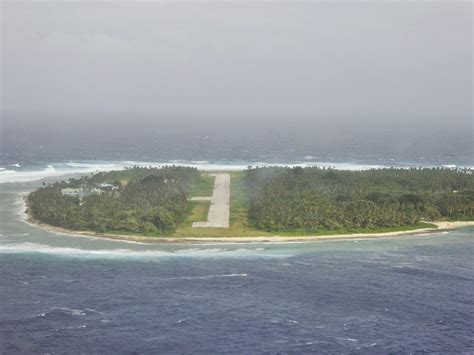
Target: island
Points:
(175, 203)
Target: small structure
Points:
(108, 187)
(80, 192)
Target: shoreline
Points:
(442, 226)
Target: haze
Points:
(312, 74)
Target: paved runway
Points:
(218, 216)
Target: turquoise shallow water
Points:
(64, 294)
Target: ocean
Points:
(70, 294)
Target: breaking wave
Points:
(149, 254)
(17, 173)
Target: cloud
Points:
(94, 42)
(368, 62)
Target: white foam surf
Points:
(206, 277)
(57, 170)
(24, 176)
(121, 253)
(69, 168)
(85, 167)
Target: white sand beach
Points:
(441, 226)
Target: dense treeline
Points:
(148, 200)
(284, 199)
(136, 173)
(154, 200)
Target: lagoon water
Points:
(66, 294)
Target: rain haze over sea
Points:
(227, 80)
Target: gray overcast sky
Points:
(347, 61)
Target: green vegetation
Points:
(203, 187)
(263, 201)
(147, 201)
(199, 211)
(314, 200)
(361, 230)
(240, 225)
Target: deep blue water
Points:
(394, 295)
(65, 294)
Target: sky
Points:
(329, 66)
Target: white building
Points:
(80, 192)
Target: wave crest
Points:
(120, 253)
